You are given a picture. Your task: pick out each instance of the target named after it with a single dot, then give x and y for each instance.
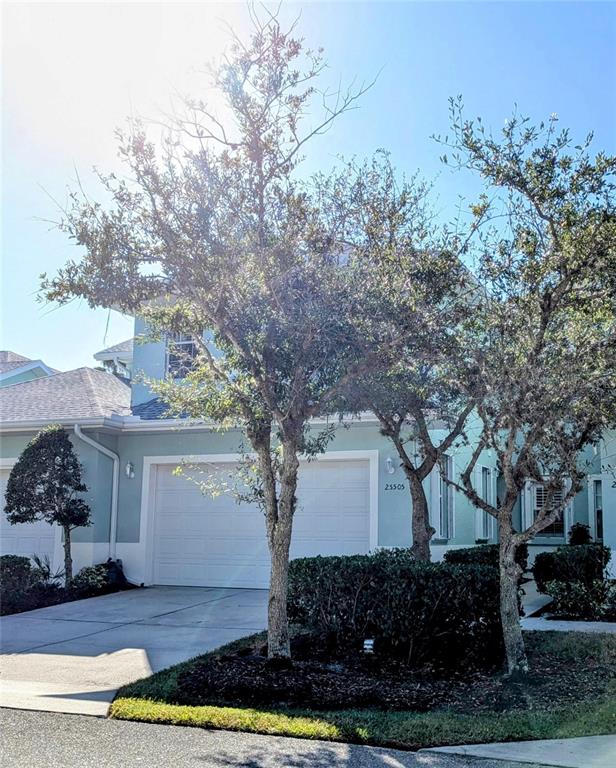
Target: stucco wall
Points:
(96, 474)
(394, 505)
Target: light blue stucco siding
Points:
(608, 478)
(149, 359)
(394, 506)
(96, 474)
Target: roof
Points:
(151, 409)
(84, 393)
(10, 360)
(123, 349)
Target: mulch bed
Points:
(318, 680)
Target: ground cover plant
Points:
(571, 691)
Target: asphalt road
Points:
(29, 738)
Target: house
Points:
(352, 499)
(16, 368)
(118, 359)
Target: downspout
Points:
(115, 480)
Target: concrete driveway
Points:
(73, 657)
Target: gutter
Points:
(115, 481)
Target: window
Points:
(597, 499)
(181, 353)
(486, 491)
(540, 495)
(445, 509)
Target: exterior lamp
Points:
(390, 466)
(129, 470)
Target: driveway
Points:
(73, 657)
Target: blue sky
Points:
(73, 72)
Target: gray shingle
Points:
(84, 393)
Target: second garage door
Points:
(200, 540)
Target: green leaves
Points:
(45, 481)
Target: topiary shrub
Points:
(579, 534)
(435, 613)
(585, 563)
(484, 554)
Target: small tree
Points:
(43, 485)
(423, 291)
(541, 344)
(213, 231)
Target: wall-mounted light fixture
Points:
(390, 467)
(129, 470)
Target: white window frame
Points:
(592, 517)
(528, 506)
(185, 340)
(484, 522)
(437, 484)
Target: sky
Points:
(72, 73)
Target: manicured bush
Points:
(576, 600)
(582, 562)
(484, 554)
(436, 613)
(91, 580)
(579, 534)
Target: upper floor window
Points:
(181, 353)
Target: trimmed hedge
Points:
(436, 613)
(569, 563)
(484, 554)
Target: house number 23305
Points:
(394, 486)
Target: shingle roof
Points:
(124, 347)
(10, 360)
(151, 409)
(6, 356)
(84, 393)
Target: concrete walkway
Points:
(73, 657)
(586, 752)
(556, 625)
(64, 741)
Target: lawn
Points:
(578, 670)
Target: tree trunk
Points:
(510, 571)
(278, 646)
(420, 518)
(68, 560)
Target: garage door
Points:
(24, 538)
(205, 541)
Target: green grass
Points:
(151, 700)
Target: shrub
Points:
(90, 581)
(484, 554)
(576, 600)
(579, 534)
(22, 587)
(424, 612)
(567, 564)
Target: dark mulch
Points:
(317, 680)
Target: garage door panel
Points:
(24, 538)
(205, 541)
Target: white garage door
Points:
(25, 538)
(205, 541)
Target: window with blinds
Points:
(540, 498)
(181, 353)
